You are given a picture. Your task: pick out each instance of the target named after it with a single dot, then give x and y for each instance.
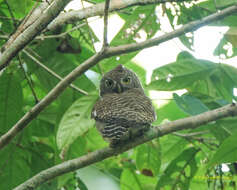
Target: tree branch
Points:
(30, 32)
(105, 53)
(99, 155)
(52, 73)
(106, 12)
(99, 9)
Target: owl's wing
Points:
(117, 114)
(130, 107)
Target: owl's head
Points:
(119, 80)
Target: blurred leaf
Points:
(11, 101)
(77, 148)
(181, 74)
(172, 146)
(190, 104)
(223, 128)
(221, 49)
(40, 128)
(43, 161)
(131, 180)
(94, 140)
(227, 152)
(148, 157)
(224, 3)
(231, 36)
(170, 112)
(184, 55)
(224, 83)
(14, 167)
(66, 180)
(76, 121)
(81, 185)
(60, 63)
(140, 72)
(180, 171)
(20, 9)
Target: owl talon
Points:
(114, 144)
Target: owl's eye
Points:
(109, 83)
(126, 80)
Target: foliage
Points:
(64, 130)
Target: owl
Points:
(123, 110)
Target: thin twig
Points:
(53, 73)
(19, 59)
(28, 80)
(106, 10)
(99, 155)
(8, 18)
(190, 134)
(42, 37)
(26, 36)
(92, 40)
(11, 14)
(98, 10)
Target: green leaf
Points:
(170, 111)
(43, 161)
(172, 146)
(14, 167)
(94, 140)
(180, 74)
(131, 180)
(227, 152)
(148, 157)
(190, 104)
(20, 9)
(77, 148)
(81, 185)
(223, 128)
(224, 3)
(76, 121)
(180, 171)
(11, 101)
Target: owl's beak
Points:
(119, 88)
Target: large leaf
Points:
(148, 157)
(172, 146)
(223, 3)
(190, 104)
(131, 180)
(176, 174)
(76, 121)
(20, 9)
(60, 63)
(181, 74)
(14, 167)
(11, 101)
(227, 152)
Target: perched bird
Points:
(123, 110)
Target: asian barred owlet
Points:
(123, 110)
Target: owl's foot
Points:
(114, 144)
(139, 133)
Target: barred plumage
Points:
(123, 111)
